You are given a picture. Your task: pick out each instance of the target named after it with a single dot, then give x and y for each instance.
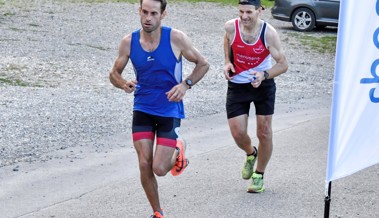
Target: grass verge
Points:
(14, 82)
(324, 44)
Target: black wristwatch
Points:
(189, 83)
(265, 74)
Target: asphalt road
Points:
(107, 184)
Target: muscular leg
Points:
(238, 128)
(145, 128)
(144, 148)
(164, 159)
(264, 134)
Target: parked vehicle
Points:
(307, 14)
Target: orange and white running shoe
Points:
(181, 161)
(158, 214)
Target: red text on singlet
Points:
(247, 56)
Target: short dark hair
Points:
(163, 4)
(256, 3)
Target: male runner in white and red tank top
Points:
(250, 44)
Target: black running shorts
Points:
(240, 96)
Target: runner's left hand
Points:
(177, 92)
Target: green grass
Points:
(312, 42)
(324, 44)
(13, 69)
(17, 29)
(17, 82)
(13, 82)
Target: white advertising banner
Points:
(354, 125)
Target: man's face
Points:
(248, 13)
(151, 16)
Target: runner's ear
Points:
(164, 14)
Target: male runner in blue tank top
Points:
(249, 45)
(156, 54)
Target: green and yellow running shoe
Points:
(256, 185)
(248, 167)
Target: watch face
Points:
(189, 82)
(266, 75)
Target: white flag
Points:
(354, 132)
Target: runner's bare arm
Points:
(229, 34)
(119, 65)
(275, 48)
(182, 46)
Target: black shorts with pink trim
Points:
(145, 126)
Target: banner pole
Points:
(327, 201)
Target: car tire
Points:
(303, 20)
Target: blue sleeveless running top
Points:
(156, 72)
